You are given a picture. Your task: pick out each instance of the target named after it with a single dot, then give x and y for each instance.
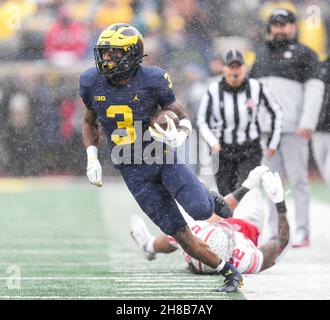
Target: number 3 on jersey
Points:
(167, 77)
(126, 124)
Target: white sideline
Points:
(302, 273)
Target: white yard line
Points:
(57, 264)
(131, 281)
(302, 273)
(59, 252)
(50, 240)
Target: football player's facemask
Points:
(118, 52)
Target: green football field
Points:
(71, 241)
(64, 239)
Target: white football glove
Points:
(253, 180)
(94, 169)
(273, 186)
(171, 136)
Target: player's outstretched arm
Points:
(91, 138)
(273, 249)
(252, 181)
(233, 199)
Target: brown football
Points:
(159, 117)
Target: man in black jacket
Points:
(321, 138)
(291, 72)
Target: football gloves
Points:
(253, 180)
(94, 169)
(171, 136)
(273, 186)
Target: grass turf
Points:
(72, 242)
(63, 243)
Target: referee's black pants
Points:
(235, 163)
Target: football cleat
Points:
(303, 244)
(300, 240)
(233, 279)
(221, 207)
(141, 236)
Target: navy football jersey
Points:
(124, 111)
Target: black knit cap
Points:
(282, 17)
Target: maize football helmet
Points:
(124, 44)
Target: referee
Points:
(228, 120)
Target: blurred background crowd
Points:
(46, 44)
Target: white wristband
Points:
(221, 265)
(91, 152)
(186, 123)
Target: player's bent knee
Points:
(201, 211)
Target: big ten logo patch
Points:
(99, 98)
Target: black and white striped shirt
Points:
(230, 116)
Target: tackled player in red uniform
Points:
(234, 239)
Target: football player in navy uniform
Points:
(121, 95)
